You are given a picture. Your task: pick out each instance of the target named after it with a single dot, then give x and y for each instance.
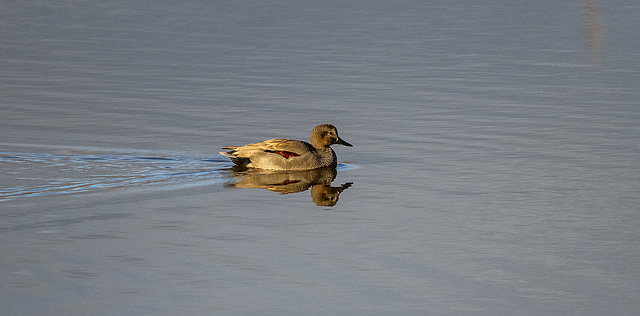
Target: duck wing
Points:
(284, 147)
(277, 154)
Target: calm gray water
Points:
(495, 167)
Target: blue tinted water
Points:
(494, 170)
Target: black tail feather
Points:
(240, 161)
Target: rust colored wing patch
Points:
(285, 154)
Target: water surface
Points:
(494, 171)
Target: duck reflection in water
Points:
(285, 182)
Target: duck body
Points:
(289, 154)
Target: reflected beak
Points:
(342, 142)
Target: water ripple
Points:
(41, 174)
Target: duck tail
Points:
(233, 155)
(229, 154)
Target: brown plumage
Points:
(289, 154)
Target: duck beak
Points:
(340, 141)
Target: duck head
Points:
(325, 135)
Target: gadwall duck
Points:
(289, 154)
